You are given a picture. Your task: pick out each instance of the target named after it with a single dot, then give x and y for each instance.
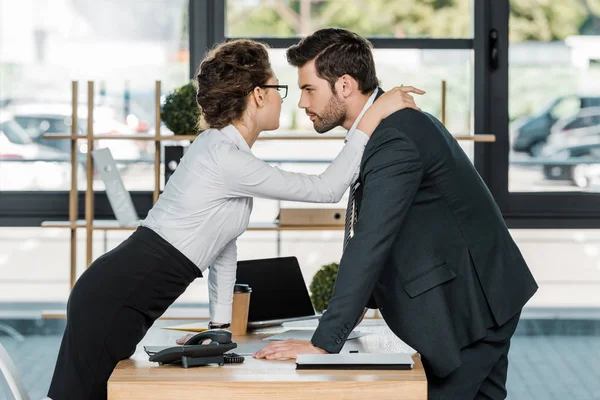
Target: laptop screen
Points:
(278, 289)
(118, 197)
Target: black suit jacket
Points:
(430, 248)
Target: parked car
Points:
(117, 108)
(571, 131)
(27, 165)
(579, 163)
(529, 134)
(39, 120)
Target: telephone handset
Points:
(193, 353)
(219, 336)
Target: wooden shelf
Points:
(275, 227)
(97, 225)
(113, 225)
(471, 138)
(476, 138)
(108, 136)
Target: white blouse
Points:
(207, 202)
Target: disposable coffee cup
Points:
(241, 306)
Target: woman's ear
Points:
(259, 96)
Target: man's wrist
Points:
(318, 348)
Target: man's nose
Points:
(302, 103)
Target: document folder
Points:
(355, 361)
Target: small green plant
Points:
(321, 287)
(180, 112)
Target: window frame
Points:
(535, 210)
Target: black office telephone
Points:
(193, 353)
(218, 336)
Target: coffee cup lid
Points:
(242, 288)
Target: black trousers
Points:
(482, 373)
(112, 306)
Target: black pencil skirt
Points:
(112, 306)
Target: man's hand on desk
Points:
(287, 349)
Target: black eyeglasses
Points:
(282, 89)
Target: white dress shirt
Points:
(207, 202)
(368, 104)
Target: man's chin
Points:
(321, 130)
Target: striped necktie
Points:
(351, 213)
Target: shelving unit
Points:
(90, 225)
(113, 225)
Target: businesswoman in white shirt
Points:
(194, 224)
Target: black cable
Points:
(233, 358)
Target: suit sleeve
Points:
(392, 174)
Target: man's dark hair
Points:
(337, 52)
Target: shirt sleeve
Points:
(221, 280)
(246, 175)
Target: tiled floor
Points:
(541, 367)
(554, 368)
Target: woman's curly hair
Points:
(228, 73)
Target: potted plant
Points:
(180, 112)
(321, 287)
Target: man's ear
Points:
(346, 85)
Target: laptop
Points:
(118, 197)
(312, 216)
(358, 361)
(279, 293)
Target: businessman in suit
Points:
(430, 248)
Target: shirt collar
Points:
(365, 108)
(236, 137)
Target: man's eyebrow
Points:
(305, 86)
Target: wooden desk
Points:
(137, 378)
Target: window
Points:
(394, 67)
(429, 37)
(44, 45)
(541, 174)
(552, 82)
(373, 18)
